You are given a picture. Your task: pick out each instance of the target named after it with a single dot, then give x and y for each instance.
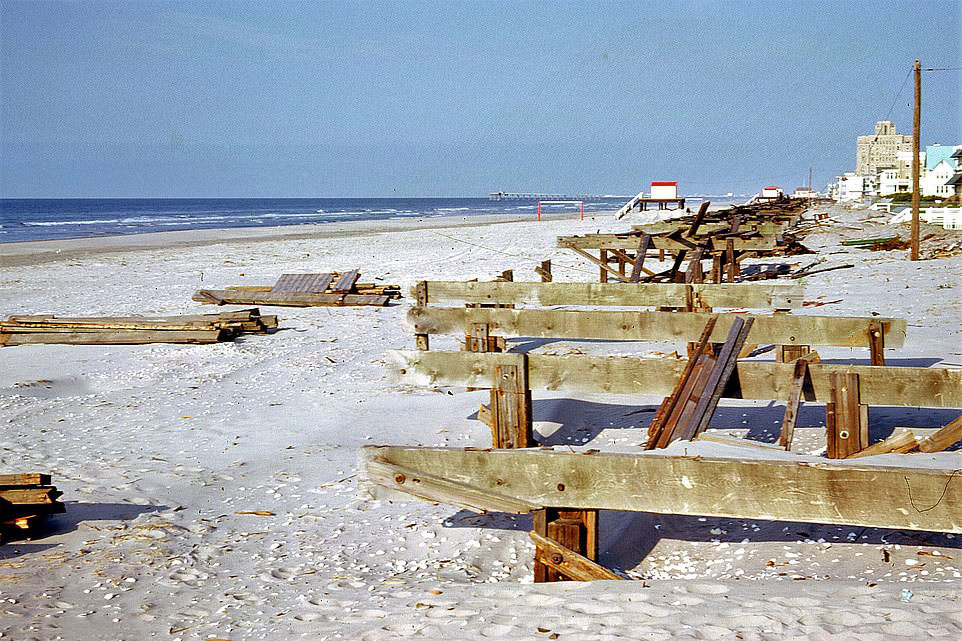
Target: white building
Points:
(850, 186)
(889, 182)
(940, 166)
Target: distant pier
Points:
(507, 195)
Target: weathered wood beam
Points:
(652, 326)
(728, 295)
(286, 299)
(943, 438)
(569, 562)
(120, 337)
(753, 380)
(839, 493)
(617, 241)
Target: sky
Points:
(150, 98)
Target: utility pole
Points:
(810, 179)
(916, 134)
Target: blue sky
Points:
(230, 98)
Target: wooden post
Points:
(643, 246)
(876, 342)
(511, 418)
(576, 530)
(716, 267)
(789, 353)
(604, 262)
(916, 134)
(846, 420)
(544, 271)
(421, 293)
(733, 269)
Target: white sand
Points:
(157, 448)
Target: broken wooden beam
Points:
(898, 444)
(942, 439)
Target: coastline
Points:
(36, 252)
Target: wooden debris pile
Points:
(25, 501)
(134, 330)
(332, 289)
(725, 237)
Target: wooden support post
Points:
(716, 267)
(544, 271)
(421, 293)
(795, 399)
(507, 276)
(846, 420)
(511, 417)
(791, 353)
(603, 254)
(639, 265)
(876, 342)
(732, 262)
(576, 530)
(694, 273)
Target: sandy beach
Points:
(212, 490)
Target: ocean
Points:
(30, 219)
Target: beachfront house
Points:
(890, 183)
(940, 166)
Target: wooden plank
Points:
(942, 439)
(136, 337)
(32, 496)
(721, 372)
(626, 241)
(755, 380)
(727, 295)
(346, 281)
(651, 326)
(810, 490)
(232, 297)
(568, 562)
(303, 283)
(898, 444)
(24, 479)
(734, 440)
(659, 423)
(431, 487)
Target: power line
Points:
(942, 69)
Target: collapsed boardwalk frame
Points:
(811, 491)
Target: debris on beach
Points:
(25, 502)
(134, 330)
(331, 289)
